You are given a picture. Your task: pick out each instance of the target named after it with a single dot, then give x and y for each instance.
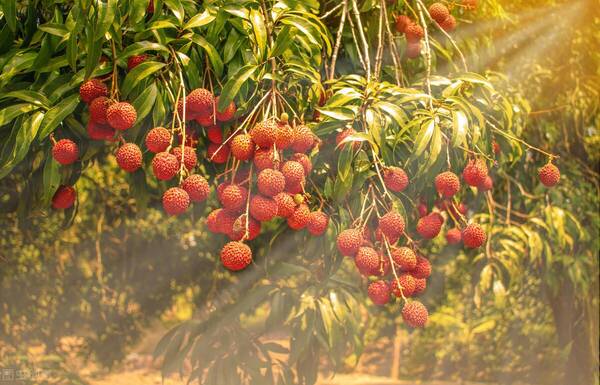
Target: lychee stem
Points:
(114, 90)
(389, 254)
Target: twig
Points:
(394, 51)
(421, 6)
(330, 12)
(363, 38)
(379, 53)
(338, 39)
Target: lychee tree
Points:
(298, 115)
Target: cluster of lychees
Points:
(277, 152)
(414, 32)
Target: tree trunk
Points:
(395, 370)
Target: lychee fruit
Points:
(422, 268)
(175, 201)
(214, 134)
(92, 89)
(284, 136)
(197, 187)
(414, 313)
(413, 49)
(549, 175)
(392, 224)
(239, 229)
(348, 242)
(236, 256)
(304, 160)
(475, 172)
(242, 147)
(200, 102)
(165, 166)
(98, 109)
(422, 209)
(294, 188)
(430, 225)
(270, 182)
(404, 257)
(304, 139)
(190, 159)
(121, 115)
(64, 197)
(438, 12)
(395, 179)
(414, 32)
(293, 172)
(367, 261)
(285, 204)
(65, 151)
(379, 292)
(299, 218)
(340, 137)
(447, 184)
(317, 223)
(158, 139)
(234, 197)
(473, 236)
(212, 221)
(218, 153)
(264, 158)
(401, 22)
(225, 221)
(406, 287)
(420, 286)
(98, 131)
(129, 157)
(487, 185)
(135, 60)
(448, 24)
(453, 236)
(227, 114)
(264, 133)
(263, 208)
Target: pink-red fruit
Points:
(379, 292)
(175, 201)
(65, 151)
(92, 89)
(158, 139)
(473, 236)
(415, 314)
(549, 175)
(317, 223)
(447, 184)
(348, 242)
(121, 115)
(236, 256)
(165, 166)
(64, 197)
(129, 157)
(197, 187)
(395, 179)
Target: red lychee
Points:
(234, 197)
(284, 136)
(304, 139)
(236, 256)
(304, 160)
(264, 158)
(197, 187)
(448, 24)
(340, 137)
(395, 179)
(317, 223)
(413, 49)
(212, 222)
(64, 197)
(406, 287)
(420, 286)
(293, 172)
(348, 242)
(270, 182)
(549, 175)
(475, 172)
(367, 261)
(264, 133)
(175, 201)
(392, 224)
(438, 12)
(422, 269)
(214, 134)
(415, 314)
(218, 153)
(228, 112)
(295, 188)
(239, 229)
(263, 208)
(65, 151)
(129, 157)
(92, 89)
(430, 225)
(135, 60)
(447, 184)
(379, 292)
(158, 139)
(405, 258)
(453, 236)
(201, 103)
(299, 218)
(401, 22)
(487, 184)
(285, 204)
(121, 115)
(414, 32)
(473, 236)
(422, 209)
(98, 131)
(165, 166)
(242, 147)
(98, 109)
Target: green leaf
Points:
(282, 42)
(460, 125)
(50, 179)
(54, 29)
(233, 85)
(9, 113)
(145, 101)
(9, 8)
(57, 114)
(177, 8)
(106, 15)
(25, 133)
(212, 53)
(423, 137)
(32, 97)
(139, 73)
(141, 47)
(199, 20)
(260, 31)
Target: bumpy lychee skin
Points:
(64, 197)
(285, 204)
(165, 165)
(420, 286)
(65, 151)
(227, 114)
(92, 89)
(233, 197)
(98, 108)
(236, 256)
(264, 133)
(414, 32)
(212, 222)
(284, 136)
(392, 224)
(299, 218)
(473, 236)
(238, 231)
(200, 102)
(367, 261)
(158, 139)
(413, 49)
(121, 115)
(447, 184)
(475, 172)
(549, 175)
(225, 220)
(214, 134)
(264, 158)
(448, 24)
(430, 225)
(304, 139)
(395, 179)
(379, 292)
(487, 184)
(304, 160)
(339, 138)
(422, 209)
(263, 208)
(190, 159)
(407, 285)
(401, 22)
(438, 12)
(135, 60)
(317, 223)
(270, 182)
(175, 201)
(422, 269)
(381, 237)
(415, 314)
(405, 258)
(293, 172)
(242, 147)
(197, 187)
(98, 131)
(189, 115)
(348, 242)
(217, 153)
(129, 157)
(453, 236)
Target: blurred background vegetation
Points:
(526, 313)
